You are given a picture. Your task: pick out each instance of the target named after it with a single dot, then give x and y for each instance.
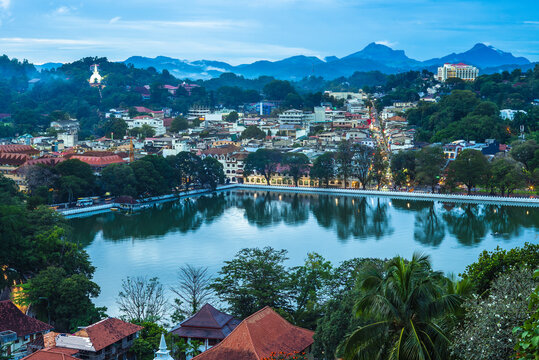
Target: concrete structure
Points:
(508, 114)
(460, 71)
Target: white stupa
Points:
(95, 79)
(163, 353)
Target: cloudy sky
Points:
(241, 31)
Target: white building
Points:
(139, 121)
(460, 70)
(508, 114)
(295, 117)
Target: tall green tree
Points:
(470, 168)
(379, 167)
(253, 132)
(64, 298)
(119, 179)
(212, 173)
(324, 168)
(264, 162)
(298, 165)
(344, 161)
(115, 128)
(506, 175)
(361, 163)
(253, 279)
(429, 164)
(402, 167)
(407, 302)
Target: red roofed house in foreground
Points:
(209, 326)
(258, 336)
(18, 328)
(108, 339)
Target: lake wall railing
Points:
(416, 195)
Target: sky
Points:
(242, 31)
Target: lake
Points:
(208, 230)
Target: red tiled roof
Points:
(13, 159)
(258, 336)
(11, 318)
(167, 122)
(20, 149)
(221, 150)
(49, 354)
(396, 118)
(107, 332)
(99, 161)
(50, 161)
(208, 323)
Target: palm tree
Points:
(407, 304)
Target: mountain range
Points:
(374, 57)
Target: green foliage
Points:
(526, 153)
(336, 321)
(486, 332)
(429, 164)
(493, 263)
(298, 165)
(64, 297)
(278, 90)
(324, 168)
(232, 117)
(506, 175)
(211, 173)
(253, 132)
(76, 179)
(115, 128)
(460, 115)
(264, 162)
(405, 304)
(253, 279)
(119, 179)
(470, 168)
(379, 167)
(178, 124)
(403, 167)
(527, 346)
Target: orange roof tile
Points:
(258, 336)
(49, 354)
(107, 332)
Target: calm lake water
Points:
(209, 230)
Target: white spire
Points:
(163, 353)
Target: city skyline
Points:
(246, 31)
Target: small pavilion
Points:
(209, 326)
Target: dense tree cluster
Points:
(35, 251)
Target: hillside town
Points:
(230, 135)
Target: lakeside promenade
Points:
(414, 196)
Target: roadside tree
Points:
(470, 168)
(298, 165)
(324, 168)
(264, 162)
(429, 164)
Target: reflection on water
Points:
(349, 217)
(210, 230)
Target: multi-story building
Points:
(155, 123)
(295, 117)
(460, 71)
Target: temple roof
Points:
(207, 323)
(258, 336)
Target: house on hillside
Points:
(259, 335)
(18, 329)
(209, 326)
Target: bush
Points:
(493, 263)
(487, 330)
